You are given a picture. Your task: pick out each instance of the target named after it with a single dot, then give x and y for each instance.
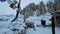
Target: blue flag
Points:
(2, 0)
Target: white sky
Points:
(5, 9)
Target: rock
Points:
(42, 7)
(38, 12)
(28, 10)
(57, 4)
(58, 7)
(30, 25)
(51, 7)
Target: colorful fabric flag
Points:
(13, 4)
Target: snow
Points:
(42, 30)
(35, 19)
(39, 30)
(57, 30)
(5, 31)
(7, 26)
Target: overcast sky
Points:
(5, 9)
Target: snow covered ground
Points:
(42, 30)
(6, 26)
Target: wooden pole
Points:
(53, 25)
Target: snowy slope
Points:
(37, 21)
(10, 25)
(7, 26)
